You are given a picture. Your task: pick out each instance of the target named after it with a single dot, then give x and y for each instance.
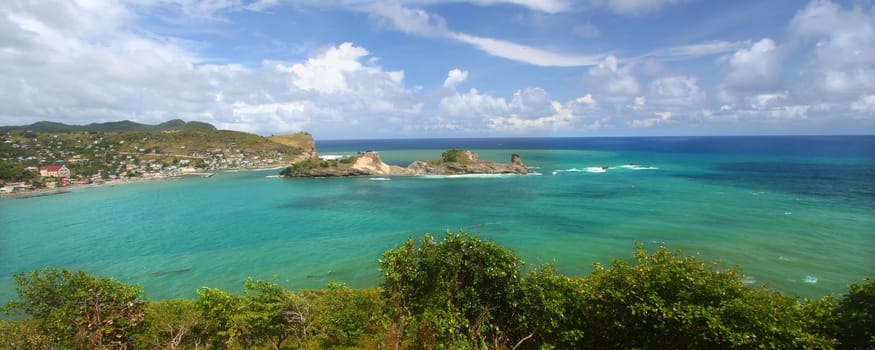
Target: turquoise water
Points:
(796, 218)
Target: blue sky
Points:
(445, 68)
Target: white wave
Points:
(748, 280)
(810, 279)
(272, 176)
(637, 167)
(784, 258)
(572, 170)
(465, 176)
(788, 213)
(592, 169)
(380, 179)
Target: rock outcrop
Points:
(370, 164)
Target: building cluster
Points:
(59, 160)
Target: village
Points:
(44, 161)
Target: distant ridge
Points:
(125, 125)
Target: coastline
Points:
(42, 192)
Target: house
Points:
(59, 171)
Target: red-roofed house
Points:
(58, 171)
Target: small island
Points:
(452, 162)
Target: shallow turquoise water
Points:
(801, 223)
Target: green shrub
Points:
(351, 317)
(461, 291)
(76, 309)
(667, 301)
(172, 324)
(855, 317)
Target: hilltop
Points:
(124, 125)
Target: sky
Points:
(360, 69)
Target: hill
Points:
(300, 140)
(113, 148)
(125, 125)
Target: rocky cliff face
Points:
(370, 164)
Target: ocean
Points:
(792, 212)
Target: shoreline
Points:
(43, 192)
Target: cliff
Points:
(453, 162)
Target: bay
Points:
(794, 213)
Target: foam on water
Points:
(810, 279)
(465, 176)
(637, 167)
(592, 169)
(379, 179)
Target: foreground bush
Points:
(460, 291)
(666, 301)
(456, 293)
(78, 310)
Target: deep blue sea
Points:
(795, 213)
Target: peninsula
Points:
(452, 162)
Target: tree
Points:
(22, 335)
(171, 324)
(265, 314)
(855, 317)
(350, 314)
(79, 310)
(272, 313)
(549, 307)
(216, 307)
(666, 300)
(458, 292)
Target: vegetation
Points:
(91, 152)
(453, 155)
(126, 125)
(13, 172)
(302, 140)
(79, 310)
(455, 293)
(305, 166)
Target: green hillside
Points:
(133, 152)
(125, 125)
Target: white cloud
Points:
(661, 118)
(531, 102)
(634, 7)
(423, 23)
(472, 105)
(675, 91)
(757, 68)
(865, 104)
(547, 6)
(762, 101)
(682, 52)
(455, 77)
(612, 81)
(559, 116)
(844, 48)
(639, 103)
(527, 54)
(80, 64)
(529, 109)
